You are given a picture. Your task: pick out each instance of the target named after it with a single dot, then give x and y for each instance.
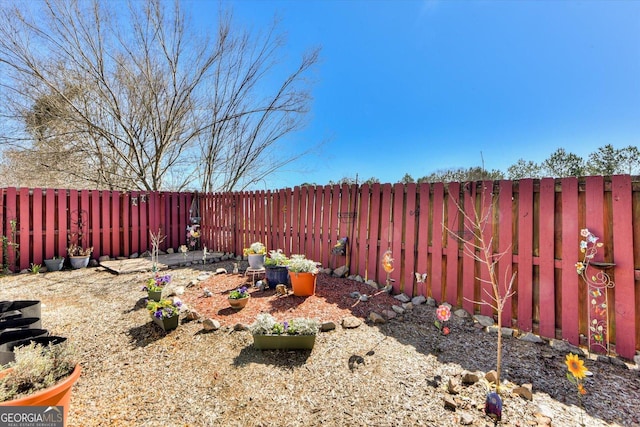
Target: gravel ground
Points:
(395, 374)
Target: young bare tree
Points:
(136, 98)
(477, 238)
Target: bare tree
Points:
(141, 99)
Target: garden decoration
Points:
(387, 266)
(297, 334)
(340, 248)
(239, 298)
(493, 407)
(576, 372)
(165, 313)
(255, 254)
(302, 273)
(193, 236)
(597, 292)
(155, 285)
(40, 376)
(443, 313)
(9, 242)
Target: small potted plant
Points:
(165, 313)
(78, 254)
(54, 264)
(276, 268)
(296, 334)
(302, 272)
(239, 298)
(255, 253)
(155, 285)
(41, 375)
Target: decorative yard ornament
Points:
(493, 407)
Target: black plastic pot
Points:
(28, 308)
(20, 323)
(8, 337)
(8, 356)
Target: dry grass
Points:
(135, 374)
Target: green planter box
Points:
(166, 323)
(155, 295)
(284, 342)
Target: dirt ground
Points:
(391, 374)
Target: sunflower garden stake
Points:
(576, 372)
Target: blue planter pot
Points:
(276, 276)
(79, 261)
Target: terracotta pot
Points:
(284, 342)
(303, 284)
(238, 303)
(56, 395)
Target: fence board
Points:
(486, 208)
(92, 220)
(546, 239)
(373, 266)
(524, 295)
(468, 262)
(105, 198)
(505, 245)
(625, 295)
(451, 260)
(422, 254)
(24, 228)
(397, 243)
(570, 255)
(36, 225)
(436, 241)
(362, 243)
(410, 240)
(50, 225)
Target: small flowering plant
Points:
(239, 293)
(266, 324)
(443, 313)
(155, 284)
(276, 259)
(164, 308)
(256, 248)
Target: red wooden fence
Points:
(535, 223)
(114, 223)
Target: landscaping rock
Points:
(449, 403)
(240, 327)
(104, 258)
(407, 305)
(341, 271)
(470, 377)
(134, 255)
(170, 251)
(351, 322)
(506, 332)
(462, 313)
(402, 297)
(398, 309)
(210, 325)
(524, 391)
(355, 294)
(491, 376)
(466, 419)
(327, 326)
(453, 387)
(364, 298)
(417, 300)
(430, 302)
(389, 314)
(566, 347)
(192, 315)
(531, 337)
(485, 321)
(372, 283)
(376, 318)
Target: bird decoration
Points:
(493, 407)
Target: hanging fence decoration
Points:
(598, 282)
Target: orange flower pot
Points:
(303, 284)
(56, 395)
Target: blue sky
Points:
(418, 86)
